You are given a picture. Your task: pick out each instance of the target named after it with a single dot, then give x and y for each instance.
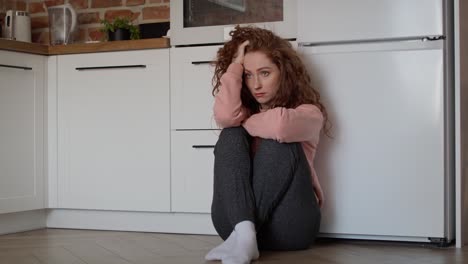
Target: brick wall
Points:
(91, 11)
(12, 4)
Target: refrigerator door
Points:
(383, 170)
(337, 20)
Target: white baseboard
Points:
(185, 223)
(22, 221)
(376, 237)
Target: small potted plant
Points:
(121, 28)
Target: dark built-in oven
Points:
(210, 21)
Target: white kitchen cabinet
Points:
(22, 82)
(194, 132)
(192, 170)
(191, 87)
(113, 131)
(377, 23)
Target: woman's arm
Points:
(228, 109)
(287, 125)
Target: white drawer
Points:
(192, 170)
(191, 86)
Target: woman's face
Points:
(262, 77)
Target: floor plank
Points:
(92, 253)
(56, 255)
(64, 246)
(19, 260)
(129, 251)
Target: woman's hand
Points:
(319, 195)
(239, 56)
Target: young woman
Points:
(266, 192)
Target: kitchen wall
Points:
(12, 4)
(91, 11)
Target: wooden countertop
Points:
(34, 48)
(6, 44)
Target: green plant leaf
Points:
(121, 22)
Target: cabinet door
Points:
(113, 131)
(388, 145)
(21, 131)
(341, 21)
(192, 170)
(191, 97)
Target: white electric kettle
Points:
(62, 24)
(18, 25)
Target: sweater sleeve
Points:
(228, 109)
(287, 125)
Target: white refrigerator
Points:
(384, 71)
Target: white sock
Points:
(222, 250)
(245, 248)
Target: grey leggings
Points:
(273, 190)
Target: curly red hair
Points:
(295, 84)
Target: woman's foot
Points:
(245, 247)
(222, 250)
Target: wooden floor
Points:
(63, 246)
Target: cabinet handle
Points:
(202, 62)
(109, 67)
(202, 146)
(16, 67)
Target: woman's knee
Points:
(233, 132)
(232, 137)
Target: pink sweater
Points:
(302, 124)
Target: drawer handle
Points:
(202, 146)
(202, 62)
(109, 67)
(16, 67)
